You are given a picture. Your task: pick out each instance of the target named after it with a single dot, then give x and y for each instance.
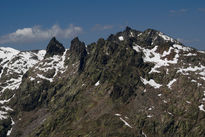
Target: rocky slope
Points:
(131, 84)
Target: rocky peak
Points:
(128, 29)
(77, 47)
(129, 33)
(54, 48)
(101, 42)
(151, 37)
(78, 51)
(124, 36)
(151, 32)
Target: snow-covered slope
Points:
(17, 64)
(53, 64)
(171, 58)
(14, 64)
(6, 55)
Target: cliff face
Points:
(132, 84)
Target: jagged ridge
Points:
(134, 83)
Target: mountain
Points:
(134, 83)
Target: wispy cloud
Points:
(190, 41)
(99, 27)
(37, 33)
(201, 9)
(178, 12)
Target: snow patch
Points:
(131, 34)
(125, 122)
(201, 107)
(9, 132)
(193, 80)
(139, 34)
(151, 82)
(165, 37)
(43, 77)
(7, 108)
(190, 54)
(203, 52)
(150, 55)
(144, 134)
(118, 115)
(159, 95)
(7, 100)
(137, 48)
(2, 115)
(200, 70)
(97, 83)
(169, 113)
(32, 79)
(121, 38)
(12, 84)
(180, 47)
(149, 116)
(171, 82)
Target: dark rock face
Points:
(54, 48)
(78, 50)
(1, 69)
(77, 47)
(1, 60)
(128, 34)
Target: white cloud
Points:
(180, 11)
(36, 33)
(99, 27)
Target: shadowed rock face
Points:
(77, 47)
(54, 48)
(78, 51)
(0, 69)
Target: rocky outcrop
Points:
(78, 51)
(78, 48)
(54, 48)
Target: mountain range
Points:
(132, 84)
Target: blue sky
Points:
(29, 24)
